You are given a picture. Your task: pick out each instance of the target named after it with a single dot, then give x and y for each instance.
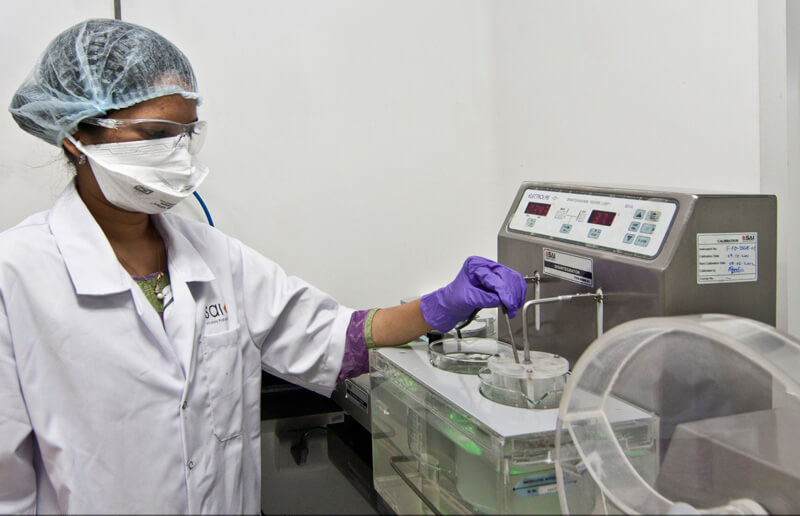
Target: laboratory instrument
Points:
(595, 257)
(652, 253)
(439, 446)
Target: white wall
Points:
(640, 92)
(349, 140)
(32, 173)
(370, 146)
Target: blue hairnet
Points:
(95, 67)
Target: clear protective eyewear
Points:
(133, 129)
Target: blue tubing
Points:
(205, 209)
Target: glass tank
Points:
(441, 447)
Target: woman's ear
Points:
(72, 152)
(71, 148)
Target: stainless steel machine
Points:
(650, 253)
(595, 257)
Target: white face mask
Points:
(145, 176)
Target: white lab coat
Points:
(96, 412)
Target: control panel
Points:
(631, 225)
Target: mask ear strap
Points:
(77, 144)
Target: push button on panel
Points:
(595, 233)
(634, 226)
(629, 237)
(648, 229)
(639, 215)
(642, 241)
(653, 216)
(566, 228)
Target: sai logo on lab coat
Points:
(216, 313)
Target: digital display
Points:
(537, 208)
(603, 218)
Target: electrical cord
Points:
(299, 449)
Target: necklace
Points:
(158, 288)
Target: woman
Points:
(132, 341)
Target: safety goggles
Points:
(132, 129)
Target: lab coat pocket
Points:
(222, 369)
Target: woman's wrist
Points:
(399, 324)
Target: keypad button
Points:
(634, 226)
(566, 228)
(648, 229)
(653, 216)
(530, 222)
(595, 233)
(639, 214)
(642, 241)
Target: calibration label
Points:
(540, 485)
(570, 267)
(727, 257)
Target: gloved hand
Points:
(480, 283)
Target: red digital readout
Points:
(603, 218)
(537, 208)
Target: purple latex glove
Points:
(480, 283)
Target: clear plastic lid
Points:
(466, 355)
(537, 385)
(717, 398)
(543, 365)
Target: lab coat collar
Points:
(92, 265)
(90, 260)
(185, 262)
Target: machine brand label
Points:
(539, 196)
(570, 267)
(727, 257)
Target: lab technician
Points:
(132, 341)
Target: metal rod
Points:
(510, 333)
(598, 296)
(600, 302)
(117, 9)
(537, 293)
